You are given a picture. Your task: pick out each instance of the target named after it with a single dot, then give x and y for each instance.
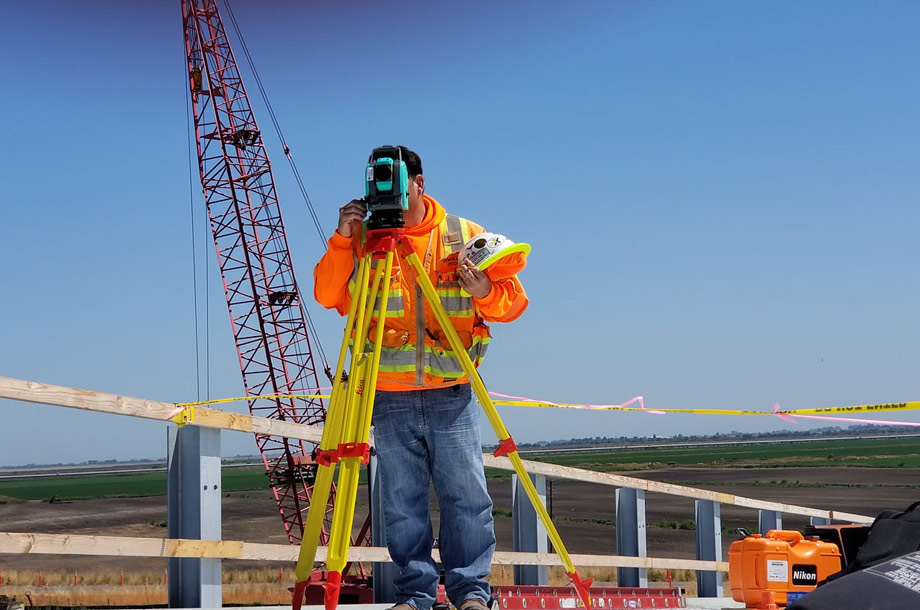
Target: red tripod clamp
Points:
(505, 447)
(344, 450)
(380, 241)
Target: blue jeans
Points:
(433, 435)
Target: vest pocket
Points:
(391, 338)
(441, 341)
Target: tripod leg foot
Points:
(333, 584)
(581, 587)
(297, 594)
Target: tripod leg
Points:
(506, 443)
(332, 436)
(354, 447)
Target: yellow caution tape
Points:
(242, 398)
(561, 405)
(895, 406)
(898, 406)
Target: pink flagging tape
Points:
(781, 415)
(624, 405)
(174, 412)
(856, 420)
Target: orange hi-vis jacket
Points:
(415, 353)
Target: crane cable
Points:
(290, 158)
(191, 203)
(274, 119)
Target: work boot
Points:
(401, 606)
(473, 603)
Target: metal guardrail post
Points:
(769, 520)
(528, 533)
(384, 573)
(630, 531)
(193, 512)
(708, 546)
(819, 521)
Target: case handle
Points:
(788, 535)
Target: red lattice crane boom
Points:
(266, 313)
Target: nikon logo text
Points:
(805, 575)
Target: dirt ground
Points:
(583, 513)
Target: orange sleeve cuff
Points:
(339, 241)
(505, 302)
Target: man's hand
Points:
(473, 280)
(350, 217)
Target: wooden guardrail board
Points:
(556, 471)
(115, 546)
(32, 391)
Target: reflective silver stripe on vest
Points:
(394, 303)
(440, 362)
(457, 306)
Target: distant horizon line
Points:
(855, 429)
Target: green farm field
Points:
(864, 453)
(135, 485)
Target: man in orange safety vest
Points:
(426, 420)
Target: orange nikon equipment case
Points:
(782, 561)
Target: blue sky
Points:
(722, 198)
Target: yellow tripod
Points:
(348, 418)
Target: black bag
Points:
(885, 574)
(890, 585)
(893, 533)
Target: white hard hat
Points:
(487, 248)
